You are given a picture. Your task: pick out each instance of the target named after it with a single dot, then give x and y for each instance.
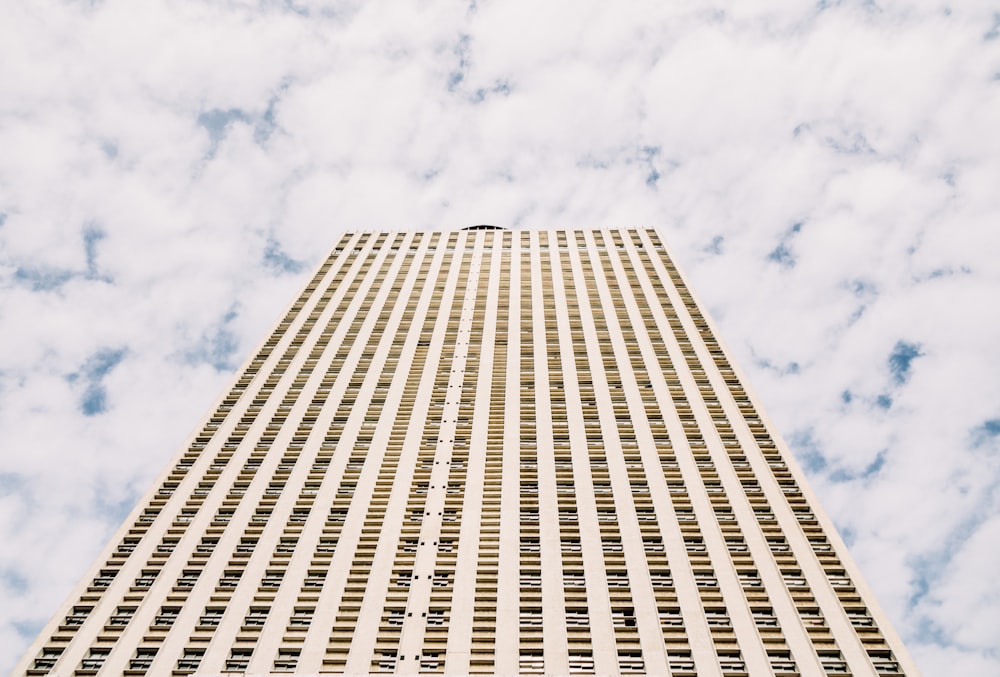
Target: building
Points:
(480, 452)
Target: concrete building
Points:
(480, 452)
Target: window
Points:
(167, 616)
(146, 578)
(731, 662)
(191, 659)
(531, 617)
(581, 662)
(671, 617)
(287, 660)
(884, 662)
(764, 618)
(127, 546)
(272, 579)
(78, 615)
(781, 662)
(661, 578)
(95, 659)
(531, 579)
(143, 659)
(239, 660)
(532, 662)
(630, 661)
(188, 578)
(256, 616)
(104, 578)
(167, 545)
(230, 579)
(717, 617)
(212, 616)
(122, 615)
(617, 579)
(811, 616)
(47, 658)
(314, 579)
(833, 663)
(623, 618)
(681, 662)
(207, 545)
(302, 616)
(859, 618)
(431, 661)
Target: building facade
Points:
(480, 452)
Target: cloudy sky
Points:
(827, 174)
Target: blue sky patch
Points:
(102, 362)
(875, 466)
(219, 347)
(791, 368)
(49, 279)
(91, 375)
(901, 360)
(28, 629)
(216, 122)
(41, 279)
(10, 483)
(500, 88)
(986, 432)
(849, 143)
(782, 254)
(13, 580)
(114, 511)
(861, 287)
(94, 400)
(807, 451)
(994, 30)
(870, 471)
(648, 155)
(456, 77)
(276, 259)
(265, 127)
(715, 246)
(92, 235)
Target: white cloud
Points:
(195, 144)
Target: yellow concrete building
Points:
(480, 452)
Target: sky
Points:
(825, 173)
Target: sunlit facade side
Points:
(480, 452)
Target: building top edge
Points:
(477, 227)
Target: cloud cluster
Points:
(826, 174)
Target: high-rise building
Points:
(480, 452)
